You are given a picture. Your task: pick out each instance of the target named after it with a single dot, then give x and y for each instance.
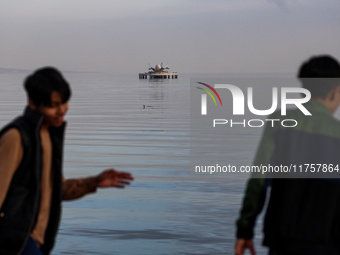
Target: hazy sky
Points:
(188, 35)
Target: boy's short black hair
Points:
(40, 85)
(323, 66)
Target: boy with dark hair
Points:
(31, 180)
(43, 82)
(303, 215)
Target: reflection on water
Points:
(140, 126)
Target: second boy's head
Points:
(321, 76)
(48, 94)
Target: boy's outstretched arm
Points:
(77, 188)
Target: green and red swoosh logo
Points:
(208, 92)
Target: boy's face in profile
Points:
(54, 112)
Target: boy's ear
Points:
(337, 89)
(332, 93)
(31, 104)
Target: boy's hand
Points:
(243, 244)
(113, 178)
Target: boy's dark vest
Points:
(19, 212)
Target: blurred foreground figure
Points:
(303, 215)
(31, 179)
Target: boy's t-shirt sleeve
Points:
(10, 157)
(256, 188)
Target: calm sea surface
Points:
(164, 211)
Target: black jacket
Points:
(20, 209)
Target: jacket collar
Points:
(35, 119)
